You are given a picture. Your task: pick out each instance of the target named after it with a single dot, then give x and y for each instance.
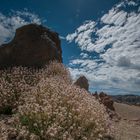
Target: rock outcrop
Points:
(82, 82)
(32, 46)
(106, 100)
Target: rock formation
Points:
(82, 82)
(33, 45)
(105, 99)
(108, 102)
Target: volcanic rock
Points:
(82, 82)
(33, 45)
(106, 100)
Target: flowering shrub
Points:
(13, 82)
(17, 81)
(7, 131)
(57, 69)
(51, 108)
(56, 110)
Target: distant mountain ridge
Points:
(127, 99)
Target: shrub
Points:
(59, 111)
(13, 82)
(58, 71)
(49, 106)
(17, 81)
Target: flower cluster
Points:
(17, 81)
(13, 83)
(50, 107)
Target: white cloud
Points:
(82, 35)
(115, 17)
(131, 2)
(62, 37)
(124, 3)
(9, 23)
(86, 63)
(117, 41)
(71, 37)
(84, 55)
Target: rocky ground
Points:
(128, 128)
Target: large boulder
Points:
(82, 82)
(33, 45)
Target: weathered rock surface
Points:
(82, 82)
(106, 100)
(33, 45)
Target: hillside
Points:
(127, 99)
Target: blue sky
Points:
(100, 39)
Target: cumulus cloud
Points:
(125, 62)
(9, 23)
(82, 35)
(115, 17)
(84, 55)
(131, 2)
(116, 38)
